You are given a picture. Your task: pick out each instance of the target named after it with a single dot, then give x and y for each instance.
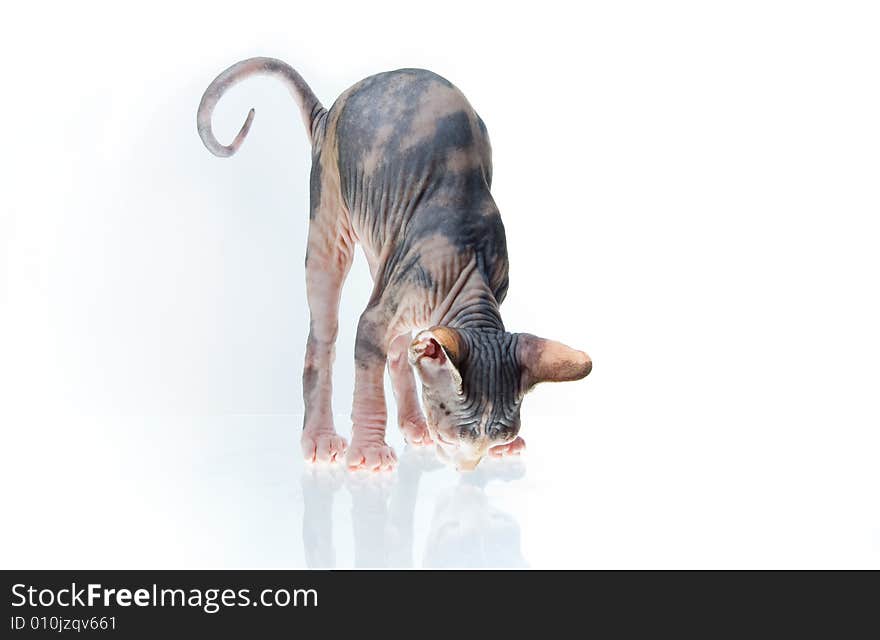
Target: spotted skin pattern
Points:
(402, 165)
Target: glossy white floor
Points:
(232, 492)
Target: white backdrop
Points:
(689, 191)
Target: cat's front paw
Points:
(322, 446)
(512, 448)
(415, 431)
(371, 456)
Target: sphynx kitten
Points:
(401, 164)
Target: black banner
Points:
(145, 604)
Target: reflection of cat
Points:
(319, 486)
(466, 530)
(369, 518)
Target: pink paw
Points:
(415, 431)
(324, 446)
(372, 456)
(512, 448)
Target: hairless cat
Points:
(401, 164)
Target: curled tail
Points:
(309, 105)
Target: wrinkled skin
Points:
(401, 164)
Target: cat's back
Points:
(404, 113)
(415, 170)
(407, 128)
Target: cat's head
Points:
(474, 380)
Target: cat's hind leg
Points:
(328, 259)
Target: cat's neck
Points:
(470, 304)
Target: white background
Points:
(690, 192)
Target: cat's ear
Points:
(438, 344)
(437, 350)
(550, 361)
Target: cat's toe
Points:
(371, 457)
(415, 431)
(513, 448)
(325, 446)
